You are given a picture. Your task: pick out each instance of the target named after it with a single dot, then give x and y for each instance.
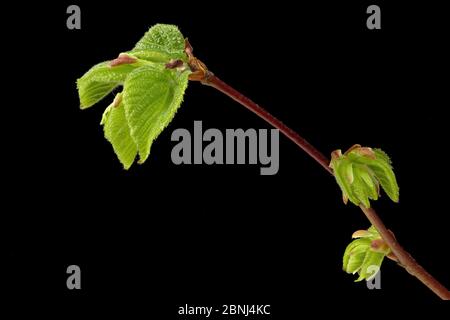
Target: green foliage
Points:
(100, 80)
(152, 95)
(360, 172)
(365, 254)
(117, 132)
(162, 38)
(354, 255)
(151, 92)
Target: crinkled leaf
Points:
(380, 154)
(354, 255)
(360, 191)
(365, 254)
(371, 184)
(100, 80)
(117, 132)
(163, 38)
(370, 266)
(341, 168)
(361, 171)
(365, 186)
(384, 173)
(152, 94)
(355, 260)
(382, 168)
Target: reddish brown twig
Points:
(201, 73)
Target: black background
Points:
(160, 235)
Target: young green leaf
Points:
(155, 56)
(152, 95)
(370, 182)
(380, 154)
(370, 266)
(117, 132)
(359, 189)
(370, 169)
(343, 172)
(163, 39)
(384, 173)
(99, 81)
(380, 164)
(354, 255)
(365, 254)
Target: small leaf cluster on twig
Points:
(151, 95)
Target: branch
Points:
(202, 74)
(404, 258)
(218, 84)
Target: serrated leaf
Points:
(163, 38)
(152, 95)
(360, 191)
(382, 168)
(380, 154)
(371, 169)
(99, 81)
(384, 173)
(117, 132)
(370, 182)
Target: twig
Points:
(202, 74)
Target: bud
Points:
(366, 251)
(361, 171)
(123, 58)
